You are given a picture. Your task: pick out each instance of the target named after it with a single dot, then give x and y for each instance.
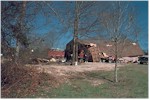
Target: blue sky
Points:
(142, 21)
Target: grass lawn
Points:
(133, 83)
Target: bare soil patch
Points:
(70, 71)
(63, 69)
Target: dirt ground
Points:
(63, 73)
(84, 67)
(71, 71)
(61, 70)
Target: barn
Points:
(95, 49)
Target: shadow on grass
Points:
(107, 77)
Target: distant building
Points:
(55, 53)
(95, 48)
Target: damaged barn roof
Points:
(96, 47)
(125, 48)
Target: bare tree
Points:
(76, 24)
(21, 27)
(85, 22)
(12, 26)
(118, 22)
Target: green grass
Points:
(133, 83)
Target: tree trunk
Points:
(116, 62)
(22, 15)
(75, 45)
(17, 50)
(74, 48)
